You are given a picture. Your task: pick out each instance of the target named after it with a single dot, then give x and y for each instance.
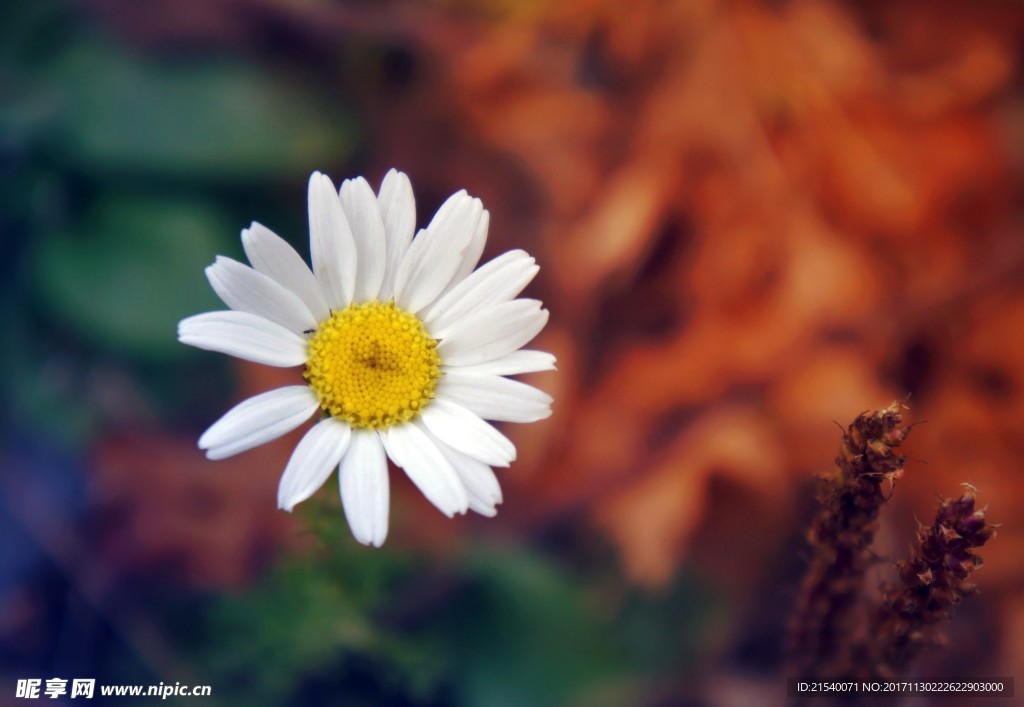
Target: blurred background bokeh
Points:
(753, 219)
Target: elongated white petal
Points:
(411, 449)
(363, 214)
(274, 257)
(500, 280)
(258, 420)
(246, 290)
(316, 455)
(437, 252)
(398, 211)
(365, 492)
(464, 430)
(244, 335)
(493, 397)
(492, 332)
(515, 363)
(330, 243)
(476, 248)
(485, 509)
(478, 478)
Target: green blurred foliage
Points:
(124, 174)
(197, 120)
(497, 625)
(109, 147)
(131, 270)
(314, 625)
(94, 104)
(41, 383)
(526, 634)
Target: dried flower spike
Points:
(932, 582)
(841, 536)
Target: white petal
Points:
(363, 215)
(365, 494)
(244, 335)
(245, 290)
(485, 509)
(274, 257)
(411, 449)
(466, 432)
(437, 252)
(398, 211)
(517, 362)
(476, 248)
(258, 420)
(492, 332)
(500, 280)
(493, 397)
(330, 243)
(316, 455)
(478, 478)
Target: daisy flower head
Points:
(406, 347)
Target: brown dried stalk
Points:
(932, 582)
(841, 536)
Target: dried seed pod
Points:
(841, 535)
(932, 582)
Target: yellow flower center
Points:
(373, 365)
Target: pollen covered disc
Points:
(373, 365)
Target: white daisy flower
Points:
(406, 347)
